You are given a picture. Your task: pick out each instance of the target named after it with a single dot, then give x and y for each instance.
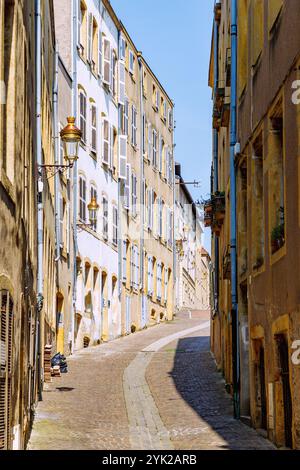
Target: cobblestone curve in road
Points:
(147, 431)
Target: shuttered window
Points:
(122, 83)
(134, 193)
(115, 225)
(94, 195)
(82, 199)
(154, 148)
(122, 156)
(106, 61)
(105, 217)
(133, 126)
(93, 128)
(124, 261)
(82, 115)
(6, 336)
(105, 142)
(166, 275)
(127, 187)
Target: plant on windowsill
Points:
(219, 205)
(277, 238)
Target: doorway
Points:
(283, 352)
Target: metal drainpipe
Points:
(40, 208)
(233, 140)
(216, 169)
(56, 156)
(174, 204)
(75, 168)
(120, 240)
(142, 190)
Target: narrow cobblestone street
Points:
(156, 389)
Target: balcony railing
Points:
(214, 212)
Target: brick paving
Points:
(179, 393)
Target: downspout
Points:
(215, 167)
(40, 208)
(75, 169)
(120, 241)
(56, 158)
(233, 140)
(174, 205)
(142, 213)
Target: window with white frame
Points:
(122, 51)
(166, 276)
(82, 24)
(105, 141)
(100, 54)
(170, 168)
(170, 227)
(94, 195)
(131, 62)
(134, 267)
(170, 118)
(105, 217)
(127, 187)
(106, 61)
(82, 199)
(134, 194)
(150, 275)
(62, 208)
(154, 148)
(115, 226)
(122, 83)
(144, 137)
(133, 126)
(165, 111)
(114, 73)
(93, 128)
(159, 280)
(149, 141)
(82, 114)
(124, 260)
(137, 259)
(166, 166)
(90, 38)
(150, 208)
(125, 117)
(161, 150)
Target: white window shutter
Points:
(166, 161)
(111, 147)
(122, 83)
(127, 187)
(93, 128)
(111, 69)
(124, 261)
(105, 141)
(122, 156)
(106, 61)
(149, 141)
(100, 54)
(122, 48)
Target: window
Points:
(122, 51)
(166, 166)
(127, 188)
(105, 217)
(163, 109)
(125, 117)
(166, 275)
(131, 62)
(134, 267)
(122, 156)
(169, 237)
(276, 179)
(82, 28)
(150, 275)
(133, 126)
(113, 85)
(94, 195)
(154, 148)
(115, 226)
(134, 193)
(150, 196)
(106, 61)
(149, 141)
(124, 260)
(105, 141)
(144, 134)
(100, 54)
(160, 218)
(155, 98)
(145, 87)
(243, 45)
(61, 147)
(159, 280)
(170, 168)
(258, 203)
(82, 114)
(90, 38)
(170, 118)
(62, 208)
(93, 128)
(94, 56)
(161, 151)
(82, 199)
(122, 89)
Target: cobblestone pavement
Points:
(156, 389)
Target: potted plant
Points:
(219, 205)
(277, 237)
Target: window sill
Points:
(155, 108)
(163, 120)
(277, 255)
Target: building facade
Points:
(267, 211)
(24, 327)
(188, 238)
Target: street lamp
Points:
(70, 136)
(93, 208)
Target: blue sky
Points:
(175, 38)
